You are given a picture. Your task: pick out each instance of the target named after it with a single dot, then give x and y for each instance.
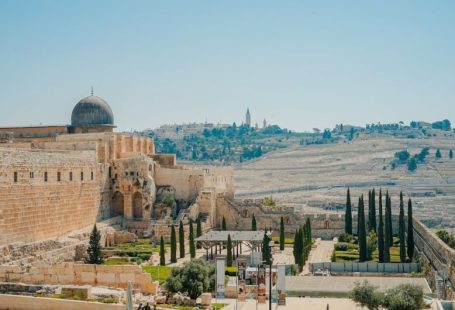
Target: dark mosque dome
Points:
(92, 111)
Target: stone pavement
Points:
(322, 253)
(295, 303)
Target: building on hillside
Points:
(61, 178)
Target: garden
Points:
(347, 250)
(130, 253)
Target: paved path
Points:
(298, 304)
(322, 253)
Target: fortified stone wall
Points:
(45, 194)
(188, 182)
(116, 276)
(436, 255)
(239, 213)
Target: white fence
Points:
(372, 267)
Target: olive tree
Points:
(194, 278)
(366, 295)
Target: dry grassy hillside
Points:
(318, 175)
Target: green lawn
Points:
(117, 261)
(164, 272)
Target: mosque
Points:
(58, 178)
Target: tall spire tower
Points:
(248, 118)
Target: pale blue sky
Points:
(301, 64)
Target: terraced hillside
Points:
(317, 175)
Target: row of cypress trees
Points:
(383, 229)
(302, 244)
(173, 242)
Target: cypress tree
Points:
(229, 252)
(223, 224)
(362, 232)
(94, 247)
(308, 236)
(198, 231)
(253, 223)
(438, 154)
(181, 240)
(296, 247)
(282, 239)
(450, 154)
(348, 215)
(266, 250)
(401, 231)
(300, 258)
(386, 231)
(373, 226)
(380, 231)
(369, 210)
(388, 206)
(162, 252)
(304, 243)
(410, 235)
(173, 245)
(390, 220)
(191, 237)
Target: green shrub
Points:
(344, 237)
(144, 256)
(341, 246)
(230, 271)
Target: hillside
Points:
(319, 174)
(224, 143)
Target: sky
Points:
(299, 64)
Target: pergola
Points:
(252, 239)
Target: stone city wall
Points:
(45, 194)
(116, 276)
(436, 256)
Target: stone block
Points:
(105, 278)
(84, 268)
(37, 278)
(125, 277)
(160, 299)
(14, 277)
(206, 299)
(143, 278)
(87, 277)
(65, 279)
(82, 293)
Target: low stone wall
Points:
(367, 267)
(17, 302)
(81, 274)
(437, 257)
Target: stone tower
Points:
(248, 118)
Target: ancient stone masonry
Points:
(81, 274)
(57, 179)
(238, 214)
(437, 257)
(46, 194)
